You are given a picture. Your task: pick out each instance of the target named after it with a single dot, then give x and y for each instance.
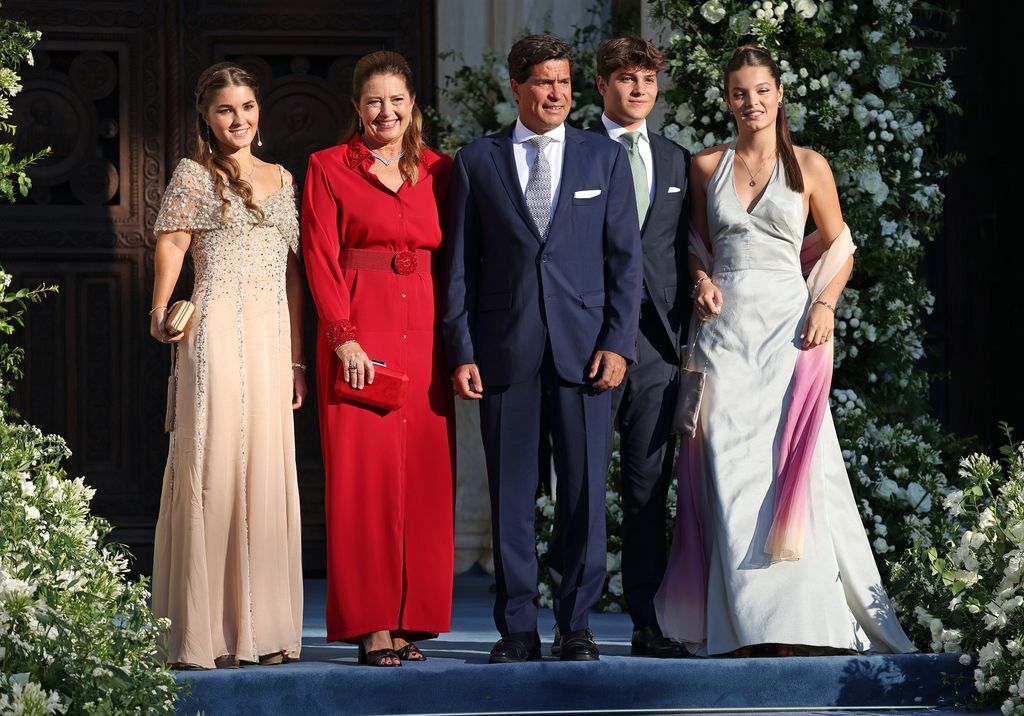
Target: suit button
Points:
(544, 258)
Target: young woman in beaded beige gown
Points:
(227, 566)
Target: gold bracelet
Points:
(300, 366)
(827, 305)
(154, 309)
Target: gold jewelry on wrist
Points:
(154, 309)
(300, 366)
(696, 286)
(827, 305)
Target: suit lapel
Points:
(573, 166)
(662, 175)
(505, 166)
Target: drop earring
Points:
(360, 125)
(259, 142)
(209, 139)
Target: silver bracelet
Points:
(693, 293)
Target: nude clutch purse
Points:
(178, 316)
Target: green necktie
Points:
(636, 165)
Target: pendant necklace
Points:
(753, 176)
(382, 160)
(251, 173)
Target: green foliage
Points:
(966, 592)
(76, 636)
(16, 43)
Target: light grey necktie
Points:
(639, 169)
(538, 187)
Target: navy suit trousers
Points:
(510, 418)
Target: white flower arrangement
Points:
(76, 636)
(969, 588)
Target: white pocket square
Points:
(586, 194)
(674, 190)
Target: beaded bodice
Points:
(235, 249)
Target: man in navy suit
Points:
(541, 310)
(643, 404)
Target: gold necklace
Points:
(753, 176)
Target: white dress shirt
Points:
(616, 132)
(526, 153)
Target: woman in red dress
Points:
(370, 229)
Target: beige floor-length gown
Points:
(227, 566)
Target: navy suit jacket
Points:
(664, 236)
(509, 292)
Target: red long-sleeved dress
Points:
(389, 477)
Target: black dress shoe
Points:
(516, 647)
(649, 641)
(579, 646)
(556, 643)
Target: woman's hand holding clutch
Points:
(358, 366)
(158, 329)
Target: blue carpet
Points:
(457, 680)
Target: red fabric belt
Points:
(400, 262)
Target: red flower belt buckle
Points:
(404, 263)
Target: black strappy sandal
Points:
(377, 656)
(411, 652)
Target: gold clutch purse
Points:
(178, 316)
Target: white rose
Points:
(670, 131)
(888, 77)
(886, 488)
(739, 23)
(615, 584)
(872, 101)
(918, 497)
(712, 11)
(860, 114)
(805, 8)
(965, 659)
(990, 651)
(506, 112)
(684, 114)
(880, 545)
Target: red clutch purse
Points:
(386, 392)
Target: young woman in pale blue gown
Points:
(769, 549)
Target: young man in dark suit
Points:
(642, 405)
(540, 313)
